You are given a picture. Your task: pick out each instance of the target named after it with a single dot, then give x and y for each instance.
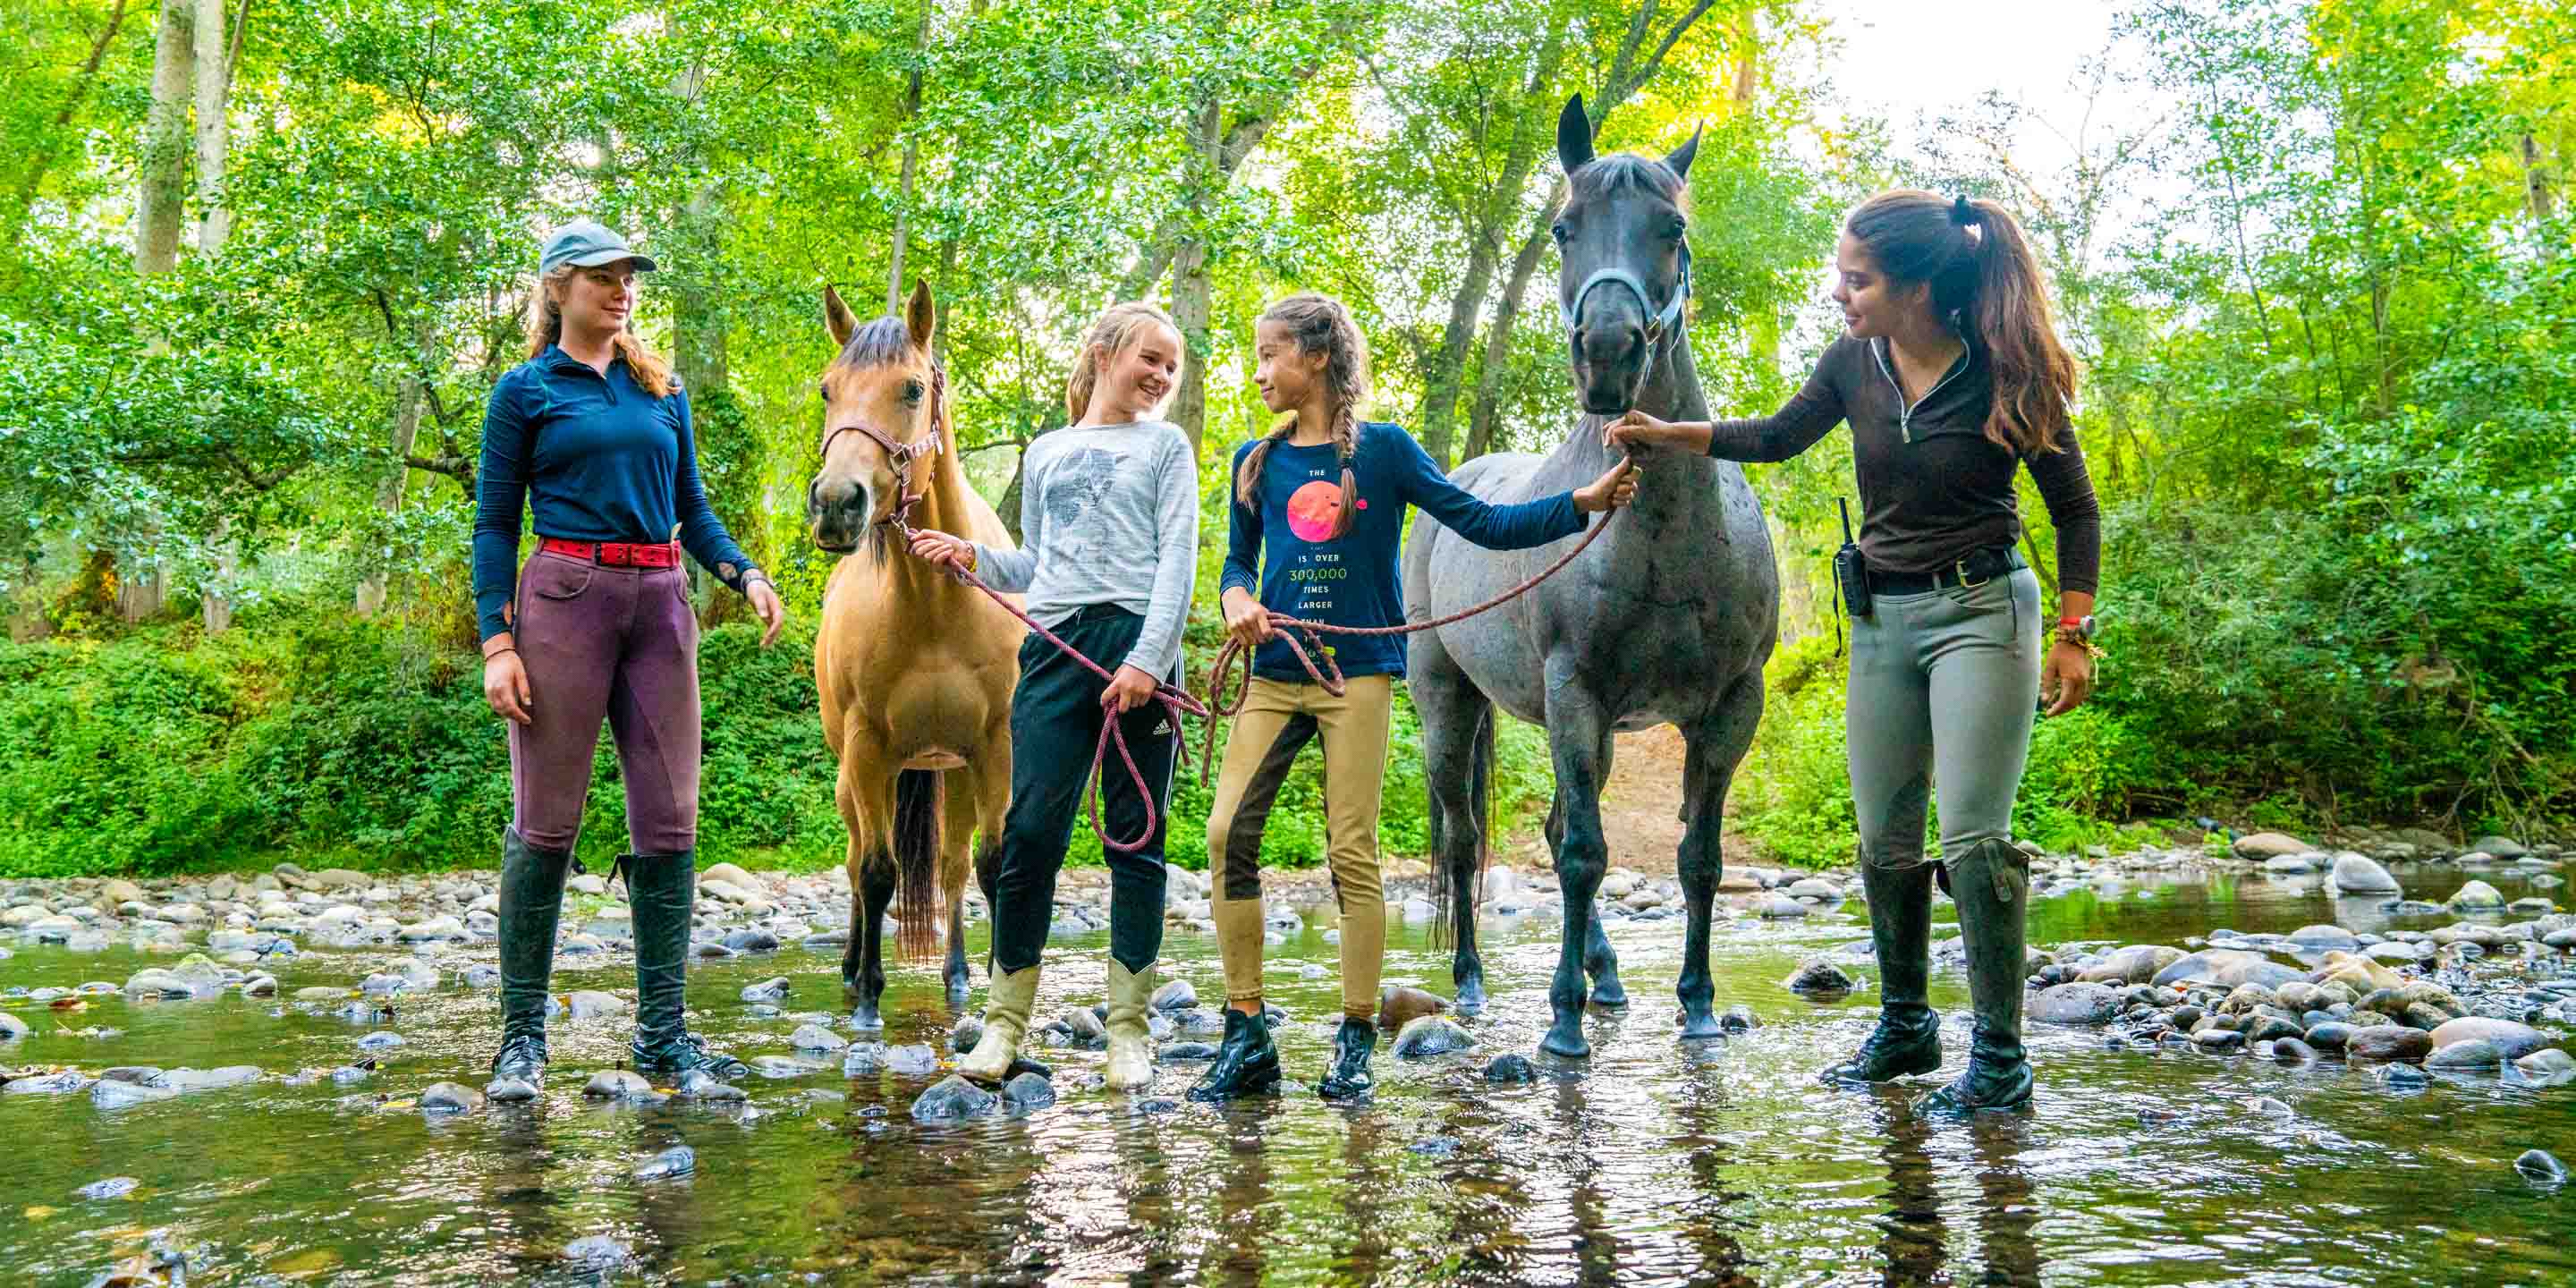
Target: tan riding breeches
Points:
(1279, 718)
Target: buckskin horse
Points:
(1668, 617)
(915, 669)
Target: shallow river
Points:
(1718, 1164)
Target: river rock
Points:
(951, 1098)
(2511, 1040)
(2136, 964)
(698, 1084)
(11, 1027)
(450, 1098)
(617, 1084)
(260, 986)
(1175, 995)
(2354, 874)
(2540, 1167)
(2077, 1003)
(767, 990)
(2548, 1062)
(1815, 888)
(232, 1075)
(1186, 1053)
(597, 1251)
(2402, 1077)
(2293, 864)
(969, 1031)
(2321, 938)
(118, 890)
(48, 1084)
(1780, 907)
(2225, 968)
(114, 1187)
(1817, 975)
(735, 877)
(2501, 847)
(2472, 1053)
(1430, 1035)
(381, 1040)
(1398, 1006)
(1027, 1092)
(2258, 846)
(590, 1004)
(2477, 896)
(436, 928)
(751, 940)
(678, 1160)
(1511, 1069)
(912, 1060)
(814, 1037)
(113, 1094)
(2387, 1042)
(2293, 1051)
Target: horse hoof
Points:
(1471, 998)
(1609, 992)
(1566, 1042)
(1700, 1026)
(867, 1020)
(957, 995)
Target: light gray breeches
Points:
(1944, 687)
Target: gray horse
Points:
(1668, 617)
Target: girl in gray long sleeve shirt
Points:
(1109, 508)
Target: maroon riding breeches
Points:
(611, 643)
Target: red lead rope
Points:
(1178, 702)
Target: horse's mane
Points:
(880, 343)
(1625, 173)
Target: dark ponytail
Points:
(1320, 324)
(1981, 270)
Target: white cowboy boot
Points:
(1131, 1047)
(1006, 1021)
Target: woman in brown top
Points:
(1952, 379)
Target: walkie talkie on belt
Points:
(1851, 574)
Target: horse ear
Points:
(838, 319)
(1573, 135)
(1680, 160)
(919, 315)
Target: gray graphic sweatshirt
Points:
(1108, 515)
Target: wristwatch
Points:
(2077, 630)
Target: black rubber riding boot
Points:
(662, 889)
(1908, 1037)
(1992, 886)
(1246, 1061)
(1349, 1078)
(532, 886)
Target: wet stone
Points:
(1428, 1036)
(234, 1075)
(348, 1074)
(2076, 1004)
(912, 1060)
(953, 1097)
(1398, 1006)
(450, 1098)
(617, 1084)
(1511, 1069)
(112, 1095)
(1028, 1092)
(598, 1251)
(767, 990)
(1186, 1052)
(752, 941)
(509, 1091)
(2293, 1051)
(778, 1066)
(2402, 1077)
(2468, 1054)
(1738, 1019)
(968, 1032)
(2216, 1039)
(114, 1187)
(381, 1040)
(50, 1084)
(814, 1037)
(678, 1160)
(698, 1084)
(2540, 1167)
(2511, 1039)
(591, 1004)
(11, 1027)
(1175, 995)
(2388, 1042)
(1817, 975)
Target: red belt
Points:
(616, 554)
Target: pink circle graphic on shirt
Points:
(1312, 510)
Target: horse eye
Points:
(1559, 232)
(912, 391)
(1678, 229)
(823, 392)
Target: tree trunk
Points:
(1193, 290)
(32, 179)
(165, 140)
(214, 605)
(1484, 418)
(389, 489)
(214, 95)
(139, 594)
(911, 165)
(2542, 196)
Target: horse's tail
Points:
(920, 807)
(1480, 802)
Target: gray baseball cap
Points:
(587, 243)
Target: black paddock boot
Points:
(662, 890)
(1349, 1078)
(1992, 886)
(1908, 1037)
(1246, 1061)
(532, 886)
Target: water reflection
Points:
(1716, 1162)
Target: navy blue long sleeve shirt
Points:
(1353, 580)
(595, 458)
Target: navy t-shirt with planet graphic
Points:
(1353, 581)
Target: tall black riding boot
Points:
(1349, 1078)
(662, 890)
(532, 886)
(1992, 886)
(1907, 1039)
